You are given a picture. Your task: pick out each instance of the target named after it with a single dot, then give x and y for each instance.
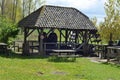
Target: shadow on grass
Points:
(14, 55)
(61, 59)
(116, 65)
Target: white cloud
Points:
(83, 4)
(79, 4)
(103, 1)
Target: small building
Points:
(73, 26)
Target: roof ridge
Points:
(65, 7)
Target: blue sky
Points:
(92, 8)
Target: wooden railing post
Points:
(108, 55)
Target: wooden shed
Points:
(69, 22)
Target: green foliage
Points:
(7, 30)
(11, 9)
(111, 22)
(61, 59)
(17, 9)
(17, 67)
(94, 20)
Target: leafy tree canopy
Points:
(8, 30)
(111, 24)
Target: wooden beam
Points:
(76, 36)
(66, 36)
(62, 34)
(30, 32)
(69, 35)
(59, 38)
(50, 30)
(38, 31)
(81, 35)
(89, 37)
(85, 37)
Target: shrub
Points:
(8, 30)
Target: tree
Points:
(111, 21)
(94, 20)
(29, 6)
(11, 9)
(17, 9)
(7, 30)
(2, 5)
(15, 5)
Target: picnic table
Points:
(113, 51)
(3, 48)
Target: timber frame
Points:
(61, 18)
(81, 36)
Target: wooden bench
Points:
(61, 50)
(3, 47)
(113, 51)
(63, 53)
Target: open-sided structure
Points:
(72, 24)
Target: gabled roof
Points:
(57, 17)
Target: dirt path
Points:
(97, 59)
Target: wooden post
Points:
(60, 38)
(66, 36)
(85, 46)
(41, 44)
(118, 55)
(76, 36)
(38, 41)
(60, 35)
(25, 44)
(25, 35)
(110, 43)
(111, 36)
(108, 54)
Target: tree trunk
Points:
(2, 7)
(29, 6)
(23, 8)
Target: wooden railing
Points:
(18, 45)
(101, 50)
(113, 52)
(34, 46)
(59, 45)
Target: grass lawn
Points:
(17, 67)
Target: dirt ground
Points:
(97, 59)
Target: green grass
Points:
(16, 67)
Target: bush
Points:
(8, 30)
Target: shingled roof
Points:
(57, 17)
